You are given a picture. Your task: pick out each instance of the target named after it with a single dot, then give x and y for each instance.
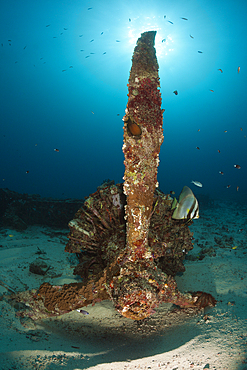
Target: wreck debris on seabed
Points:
(128, 245)
(98, 237)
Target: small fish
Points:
(87, 56)
(170, 22)
(197, 183)
(211, 90)
(48, 25)
(187, 205)
(92, 53)
(56, 150)
(63, 70)
(117, 41)
(237, 166)
(83, 312)
(25, 47)
(11, 236)
(164, 16)
(65, 29)
(238, 69)
(222, 173)
(199, 130)
(164, 40)
(219, 69)
(175, 92)
(200, 52)
(197, 147)
(225, 131)
(92, 40)
(102, 33)
(89, 8)
(129, 20)
(27, 171)
(191, 36)
(228, 186)
(237, 188)
(70, 66)
(240, 230)
(104, 53)
(172, 192)
(241, 129)
(92, 112)
(235, 247)
(82, 50)
(80, 35)
(218, 151)
(185, 19)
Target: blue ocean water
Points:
(63, 85)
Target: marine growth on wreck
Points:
(128, 245)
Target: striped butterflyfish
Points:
(186, 207)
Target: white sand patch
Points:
(169, 339)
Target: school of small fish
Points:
(175, 92)
(237, 166)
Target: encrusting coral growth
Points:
(128, 245)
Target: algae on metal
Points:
(128, 246)
(142, 153)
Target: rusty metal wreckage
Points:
(128, 245)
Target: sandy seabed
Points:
(174, 339)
